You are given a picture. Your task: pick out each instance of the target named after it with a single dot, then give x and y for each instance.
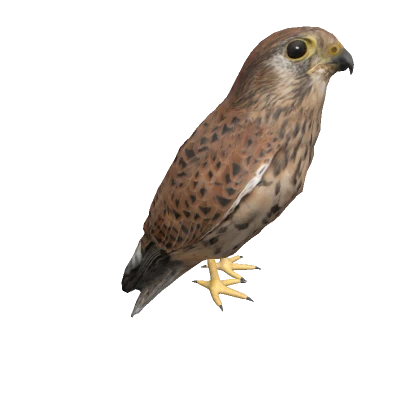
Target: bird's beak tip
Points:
(343, 61)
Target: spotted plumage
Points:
(243, 165)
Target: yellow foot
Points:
(217, 286)
(228, 264)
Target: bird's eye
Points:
(296, 49)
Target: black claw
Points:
(204, 266)
(194, 281)
(257, 268)
(241, 256)
(248, 298)
(243, 280)
(221, 307)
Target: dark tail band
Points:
(142, 268)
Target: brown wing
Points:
(205, 180)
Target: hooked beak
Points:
(343, 61)
(336, 59)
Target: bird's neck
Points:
(302, 99)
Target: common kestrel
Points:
(244, 164)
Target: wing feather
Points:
(213, 170)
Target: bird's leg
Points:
(217, 286)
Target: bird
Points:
(242, 166)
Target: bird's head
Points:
(287, 67)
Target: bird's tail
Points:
(150, 271)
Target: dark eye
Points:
(296, 49)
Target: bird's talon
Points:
(217, 286)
